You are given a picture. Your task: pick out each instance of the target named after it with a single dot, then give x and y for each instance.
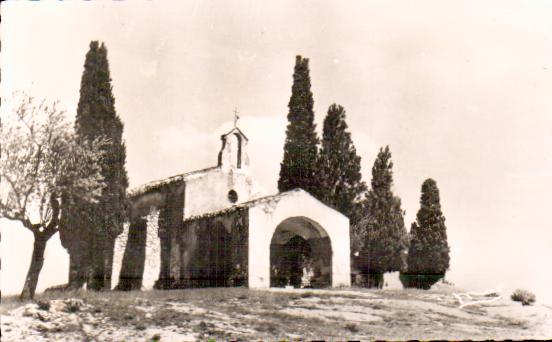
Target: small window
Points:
(232, 196)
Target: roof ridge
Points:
(247, 204)
(236, 129)
(160, 182)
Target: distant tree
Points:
(381, 229)
(41, 160)
(428, 255)
(298, 168)
(89, 230)
(341, 184)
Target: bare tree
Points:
(41, 163)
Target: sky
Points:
(459, 90)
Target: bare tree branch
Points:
(14, 192)
(42, 159)
(15, 216)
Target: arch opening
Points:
(300, 255)
(239, 157)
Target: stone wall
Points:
(119, 251)
(213, 250)
(152, 251)
(156, 216)
(170, 226)
(152, 264)
(132, 268)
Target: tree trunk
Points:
(78, 266)
(37, 261)
(78, 241)
(97, 261)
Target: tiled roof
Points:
(162, 182)
(248, 204)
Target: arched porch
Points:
(300, 254)
(313, 236)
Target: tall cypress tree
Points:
(341, 184)
(384, 233)
(90, 230)
(428, 255)
(298, 168)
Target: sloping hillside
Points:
(243, 314)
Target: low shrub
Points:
(73, 305)
(352, 327)
(43, 305)
(419, 281)
(523, 296)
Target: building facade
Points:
(217, 227)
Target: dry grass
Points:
(243, 314)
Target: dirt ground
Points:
(243, 314)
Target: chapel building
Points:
(217, 227)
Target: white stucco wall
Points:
(208, 192)
(265, 216)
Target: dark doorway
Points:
(300, 255)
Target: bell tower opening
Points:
(233, 154)
(239, 138)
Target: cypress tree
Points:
(341, 184)
(385, 236)
(298, 168)
(90, 229)
(428, 255)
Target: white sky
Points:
(460, 90)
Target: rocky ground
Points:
(243, 314)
